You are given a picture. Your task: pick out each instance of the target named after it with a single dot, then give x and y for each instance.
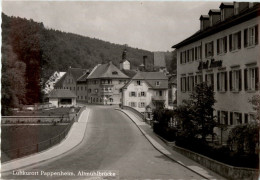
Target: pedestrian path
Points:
(168, 151)
(74, 138)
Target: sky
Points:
(153, 26)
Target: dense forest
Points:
(32, 52)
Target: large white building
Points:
(225, 54)
(146, 89)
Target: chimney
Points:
(214, 16)
(204, 22)
(144, 62)
(227, 10)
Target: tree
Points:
(13, 80)
(196, 114)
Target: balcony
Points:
(158, 98)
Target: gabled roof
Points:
(151, 78)
(129, 73)
(226, 4)
(214, 11)
(76, 72)
(61, 93)
(108, 70)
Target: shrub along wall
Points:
(225, 170)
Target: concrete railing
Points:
(227, 171)
(134, 111)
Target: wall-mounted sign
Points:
(212, 64)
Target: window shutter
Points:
(187, 56)
(219, 117)
(230, 81)
(240, 80)
(230, 42)
(130, 95)
(225, 77)
(256, 79)
(212, 46)
(144, 94)
(212, 81)
(206, 50)
(139, 104)
(218, 81)
(225, 44)
(139, 94)
(181, 84)
(218, 46)
(256, 34)
(245, 79)
(196, 80)
(181, 58)
(201, 52)
(192, 54)
(231, 118)
(188, 79)
(184, 60)
(245, 37)
(185, 85)
(196, 51)
(239, 40)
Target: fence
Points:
(43, 145)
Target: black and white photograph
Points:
(158, 90)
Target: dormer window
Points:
(114, 72)
(157, 83)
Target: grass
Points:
(50, 112)
(17, 136)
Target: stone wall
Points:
(230, 172)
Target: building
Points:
(69, 80)
(62, 98)
(104, 83)
(225, 54)
(146, 89)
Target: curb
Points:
(144, 134)
(48, 149)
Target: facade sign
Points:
(212, 64)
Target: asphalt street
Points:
(112, 142)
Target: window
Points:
(141, 104)
(209, 49)
(235, 41)
(224, 117)
(210, 79)
(157, 83)
(160, 93)
(81, 88)
(89, 90)
(245, 118)
(198, 79)
(222, 45)
(183, 84)
(235, 80)
(132, 94)
(238, 118)
(251, 36)
(138, 83)
(142, 94)
(132, 104)
(222, 81)
(190, 83)
(183, 57)
(114, 72)
(251, 79)
(190, 55)
(197, 53)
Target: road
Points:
(112, 142)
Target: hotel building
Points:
(225, 54)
